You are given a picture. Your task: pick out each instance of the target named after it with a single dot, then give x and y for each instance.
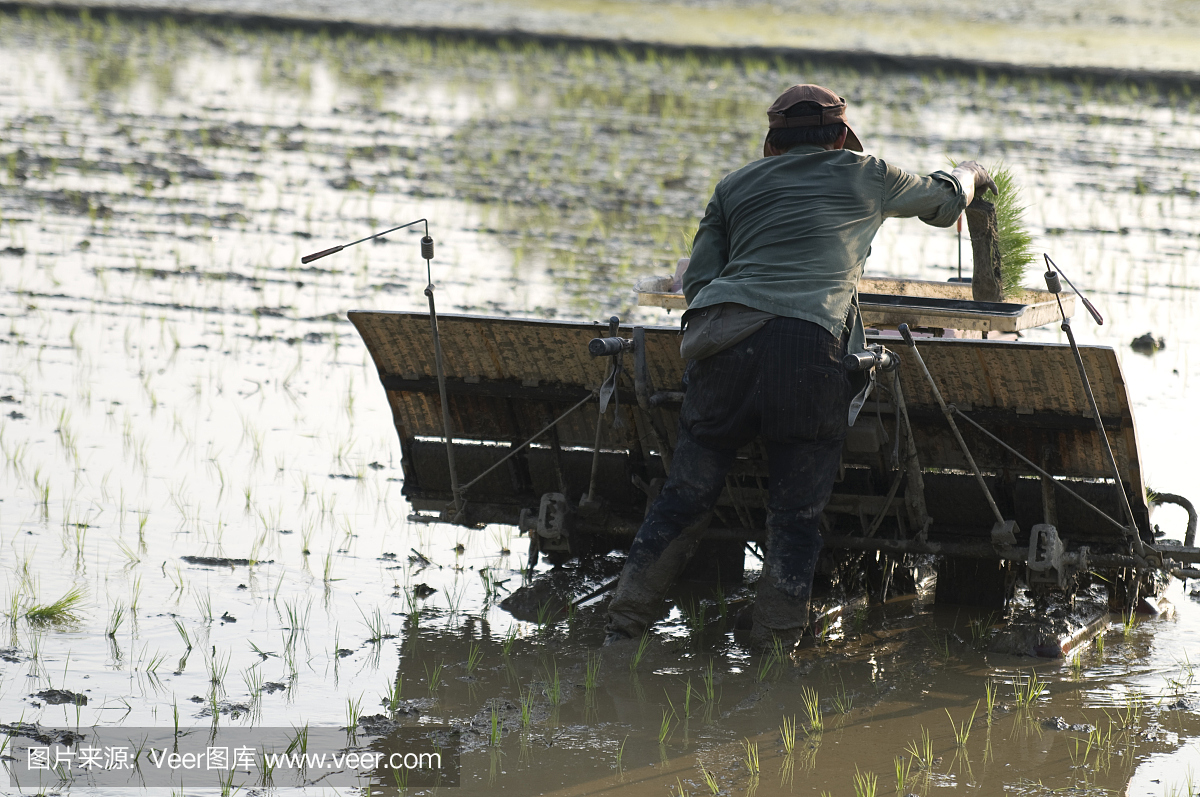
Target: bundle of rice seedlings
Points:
(64, 610)
(1016, 244)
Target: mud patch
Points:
(58, 697)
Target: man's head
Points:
(808, 114)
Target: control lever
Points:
(875, 356)
(609, 347)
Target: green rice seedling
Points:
(1077, 666)
(709, 679)
(135, 597)
(1129, 715)
(327, 568)
(474, 656)
(353, 712)
(621, 752)
(544, 615)
(177, 581)
(1016, 243)
(1128, 623)
(865, 783)
(1187, 671)
(722, 603)
(509, 640)
(710, 780)
(812, 709)
(526, 708)
(204, 605)
(640, 651)
(14, 605)
(553, 684)
(843, 701)
(750, 759)
(217, 668)
(962, 731)
(155, 662)
(252, 677)
(979, 627)
(591, 670)
(434, 677)
(687, 700)
(939, 642)
(787, 733)
(1027, 691)
(989, 695)
(666, 725)
(826, 627)
(131, 556)
(183, 634)
(903, 767)
(299, 741)
(921, 750)
(306, 533)
(391, 697)
(766, 663)
(295, 617)
(496, 727)
(64, 610)
(693, 615)
(377, 629)
(1100, 644)
(115, 618)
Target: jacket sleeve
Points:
(937, 199)
(710, 249)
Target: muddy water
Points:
(174, 383)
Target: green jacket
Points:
(789, 234)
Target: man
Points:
(772, 308)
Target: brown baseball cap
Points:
(833, 109)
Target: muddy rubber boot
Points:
(638, 599)
(778, 614)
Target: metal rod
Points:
(965, 550)
(535, 436)
(614, 326)
(914, 493)
(335, 249)
(1091, 308)
(385, 232)
(1132, 531)
(596, 593)
(595, 456)
(441, 377)
(959, 226)
(937, 394)
(1043, 473)
(1189, 536)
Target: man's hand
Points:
(974, 179)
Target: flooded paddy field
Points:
(174, 383)
(1105, 34)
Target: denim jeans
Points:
(786, 383)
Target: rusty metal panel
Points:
(1032, 395)
(509, 377)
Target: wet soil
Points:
(175, 383)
